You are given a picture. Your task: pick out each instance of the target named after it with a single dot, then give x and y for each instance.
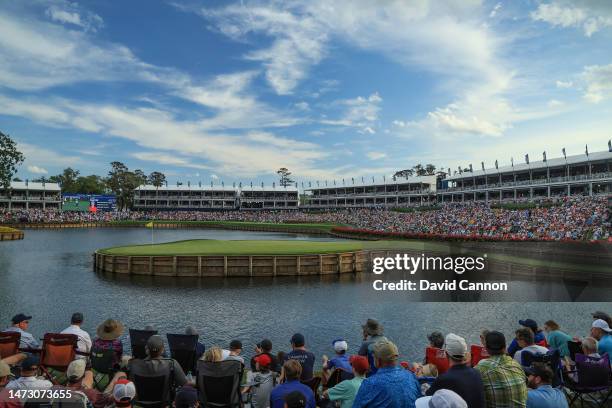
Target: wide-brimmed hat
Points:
(110, 329)
(373, 328)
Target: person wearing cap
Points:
(108, 334)
(372, 333)
(186, 397)
(603, 316)
(442, 399)
(291, 372)
(200, 348)
(265, 347)
(259, 383)
(84, 341)
(460, 378)
(29, 379)
(5, 397)
(392, 386)
(235, 348)
(541, 393)
(340, 361)
(538, 336)
(526, 342)
(301, 355)
(82, 379)
(345, 391)
(503, 378)
(124, 393)
(155, 365)
(20, 323)
(600, 330)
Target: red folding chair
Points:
(9, 344)
(438, 358)
(478, 353)
(58, 351)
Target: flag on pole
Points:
(149, 224)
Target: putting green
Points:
(4, 229)
(217, 247)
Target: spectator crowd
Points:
(541, 367)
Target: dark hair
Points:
(525, 334)
(265, 345)
(543, 371)
(295, 399)
(235, 345)
(293, 369)
(77, 318)
(436, 339)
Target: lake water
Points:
(49, 275)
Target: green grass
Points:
(325, 227)
(7, 229)
(216, 247)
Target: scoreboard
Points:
(83, 202)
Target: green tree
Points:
(404, 173)
(67, 180)
(285, 177)
(10, 159)
(92, 184)
(430, 169)
(419, 170)
(122, 182)
(157, 179)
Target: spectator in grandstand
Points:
(235, 348)
(29, 379)
(295, 399)
(108, 339)
(436, 339)
(541, 393)
(200, 348)
(442, 399)
(525, 340)
(20, 323)
(124, 393)
(84, 341)
(5, 397)
(291, 373)
(340, 361)
(589, 347)
(265, 347)
(603, 316)
(372, 333)
(460, 378)
(81, 379)
(186, 397)
(213, 355)
(392, 386)
(603, 334)
(155, 365)
(557, 339)
(260, 382)
(539, 337)
(503, 378)
(345, 391)
(303, 356)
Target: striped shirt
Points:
(504, 382)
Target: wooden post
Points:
(129, 265)
(298, 266)
(200, 266)
(339, 260)
(225, 266)
(151, 265)
(274, 266)
(113, 266)
(250, 265)
(174, 269)
(320, 264)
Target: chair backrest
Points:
(102, 360)
(58, 350)
(337, 376)
(478, 353)
(593, 372)
(437, 357)
(575, 347)
(219, 383)
(151, 391)
(183, 349)
(9, 344)
(138, 341)
(552, 358)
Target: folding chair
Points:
(183, 350)
(152, 391)
(438, 358)
(337, 376)
(219, 383)
(575, 347)
(477, 353)
(138, 342)
(58, 351)
(102, 366)
(594, 384)
(9, 344)
(552, 358)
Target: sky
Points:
(232, 91)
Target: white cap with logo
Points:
(602, 324)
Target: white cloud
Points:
(360, 112)
(376, 155)
(214, 177)
(598, 80)
(167, 159)
(302, 106)
(554, 103)
(451, 120)
(493, 12)
(564, 84)
(566, 14)
(399, 123)
(66, 12)
(37, 170)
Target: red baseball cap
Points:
(360, 364)
(264, 360)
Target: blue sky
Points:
(213, 90)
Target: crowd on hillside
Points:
(576, 218)
(537, 369)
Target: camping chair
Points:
(183, 350)
(438, 358)
(152, 391)
(593, 383)
(9, 344)
(552, 359)
(102, 366)
(219, 383)
(477, 353)
(575, 347)
(58, 351)
(138, 342)
(337, 376)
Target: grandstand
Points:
(268, 198)
(28, 195)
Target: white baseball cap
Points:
(124, 390)
(602, 324)
(455, 345)
(340, 345)
(442, 399)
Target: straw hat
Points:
(110, 329)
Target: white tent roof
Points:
(21, 185)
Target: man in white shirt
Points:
(84, 341)
(29, 379)
(21, 322)
(525, 339)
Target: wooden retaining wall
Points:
(233, 265)
(11, 236)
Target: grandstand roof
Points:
(22, 185)
(365, 183)
(185, 187)
(539, 164)
(268, 188)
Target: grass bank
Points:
(7, 230)
(322, 227)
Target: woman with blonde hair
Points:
(213, 355)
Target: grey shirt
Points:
(156, 367)
(261, 388)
